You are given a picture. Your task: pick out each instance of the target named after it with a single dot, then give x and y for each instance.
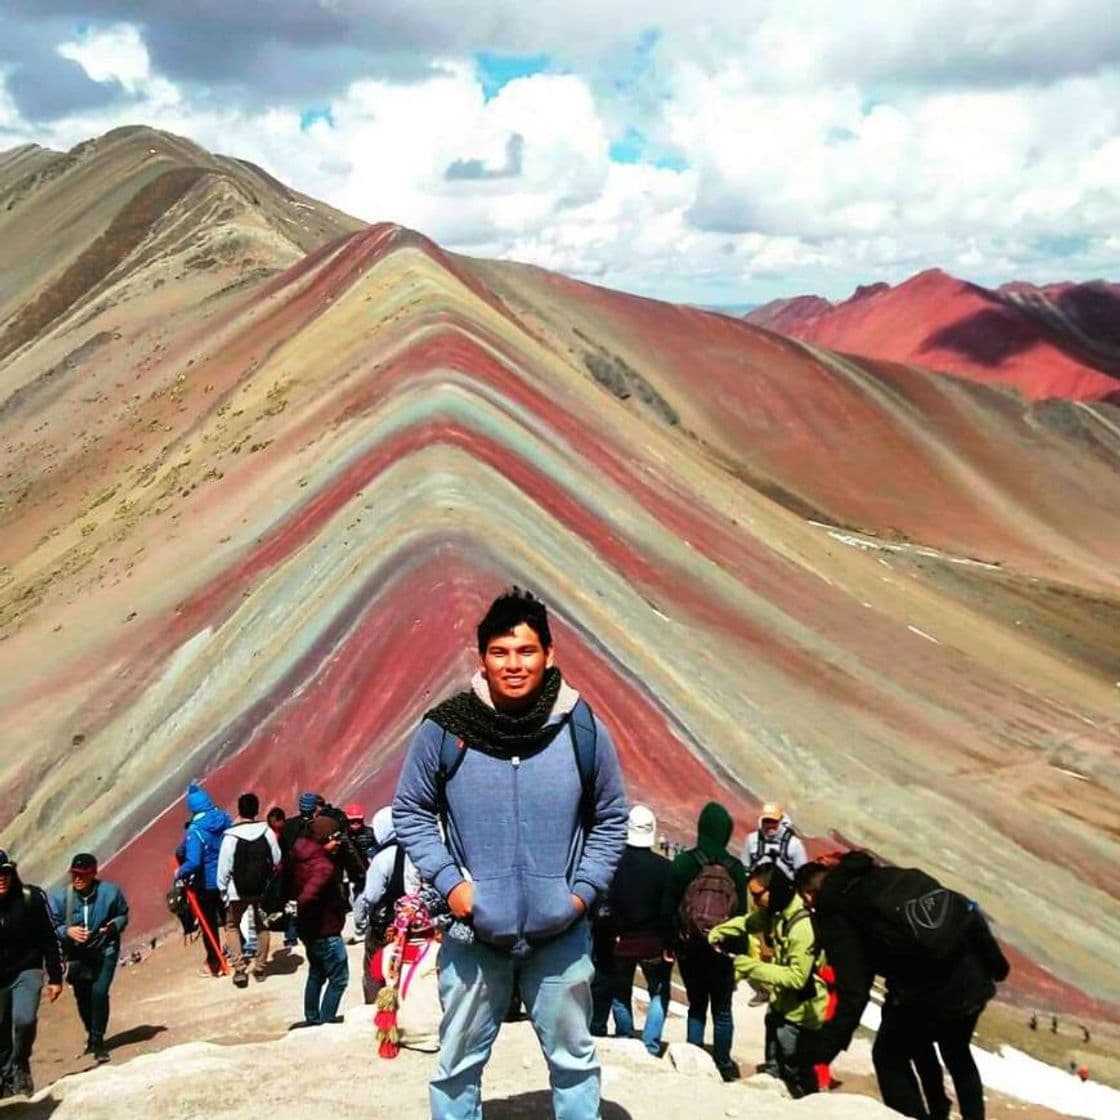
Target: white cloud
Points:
(822, 147)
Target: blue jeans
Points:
(328, 964)
(475, 987)
(19, 1011)
(709, 980)
(616, 993)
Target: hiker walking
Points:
(198, 867)
(295, 827)
(247, 861)
(630, 934)
(940, 962)
(775, 841)
(707, 885)
(362, 835)
(315, 882)
(798, 995)
(527, 784)
(90, 916)
(391, 876)
(28, 948)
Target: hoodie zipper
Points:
(519, 865)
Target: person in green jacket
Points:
(798, 996)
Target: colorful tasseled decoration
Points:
(385, 1020)
(411, 917)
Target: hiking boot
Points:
(258, 974)
(5, 1086)
(240, 979)
(729, 1071)
(100, 1054)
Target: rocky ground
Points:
(184, 1046)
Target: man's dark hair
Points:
(810, 875)
(276, 814)
(762, 874)
(248, 805)
(508, 611)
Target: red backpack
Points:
(711, 898)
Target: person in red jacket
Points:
(315, 882)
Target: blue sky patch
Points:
(317, 113)
(498, 70)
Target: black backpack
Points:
(381, 916)
(915, 915)
(252, 866)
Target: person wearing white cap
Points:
(629, 934)
(774, 841)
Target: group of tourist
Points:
(510, 819)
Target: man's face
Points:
(80, 880)
(5, 882)
(808, 897)
(760, 894)
(769, 825)
(354, 824)
(514, 666)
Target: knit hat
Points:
(641, 827)
(84, 862)
(198, 800)
(6, 861)
(307, 802)
(322, 829)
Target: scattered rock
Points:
(692, 1061)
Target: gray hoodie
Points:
(514, 828)
(243, 830)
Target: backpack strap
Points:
(452, 751)
(69, 907)
(584, 736)
(783, 847)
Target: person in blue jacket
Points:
(198, 866)
(534, 816)
(90, 915)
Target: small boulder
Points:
(692, 1061)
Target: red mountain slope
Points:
(1059, 341)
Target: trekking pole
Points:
(204, 925)
(207, 932)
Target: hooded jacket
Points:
(315, 882)
(247, 831)
(27, 934)
(201, 846)
(515, 828)
(381, 868)
(858, 950)
(795, 957)
(713, 832)
(103, 904)
(783, 839)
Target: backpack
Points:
(916, 915)
(581, 729)
(766, 850)
(711, 898)
(382, 915)
(252, 866)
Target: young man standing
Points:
(527, 785)
(247, 860)
(90, 916)
(28, 948)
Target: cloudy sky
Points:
(714, 151)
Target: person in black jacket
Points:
(929, 998)
(629, 933)
(28, 947)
